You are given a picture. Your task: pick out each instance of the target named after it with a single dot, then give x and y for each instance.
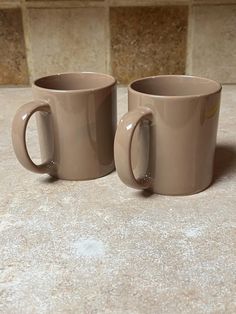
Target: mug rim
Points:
(113, 82)
(218, 89)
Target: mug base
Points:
(68, 178)
(196, 191)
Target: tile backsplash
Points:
(127, 38)
(148, 40)
(214, 42)
(13, 66)
(67, 39)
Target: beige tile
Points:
(67, 40)
(214, 42)
(13, 66)
(148, 41)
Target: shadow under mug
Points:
(166, 142)
(76, 121)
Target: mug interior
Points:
(175, 85)
(75, 81)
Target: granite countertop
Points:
(101, 247)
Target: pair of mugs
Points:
(165, 143)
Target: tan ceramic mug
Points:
(166, 142)
(76, 119)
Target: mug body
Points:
(181, 137)
(78, 132)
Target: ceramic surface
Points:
(76, 117)
(172, 150)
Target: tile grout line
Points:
(189, 48)
(28, 47)
(108, 38)
(63, 4)
(76, 3)
(216, 4)
(123, 3)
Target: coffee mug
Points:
(76, 121)
(166, 142)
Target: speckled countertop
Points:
(101, 247)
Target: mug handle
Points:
(19, 126)
(122, 147)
